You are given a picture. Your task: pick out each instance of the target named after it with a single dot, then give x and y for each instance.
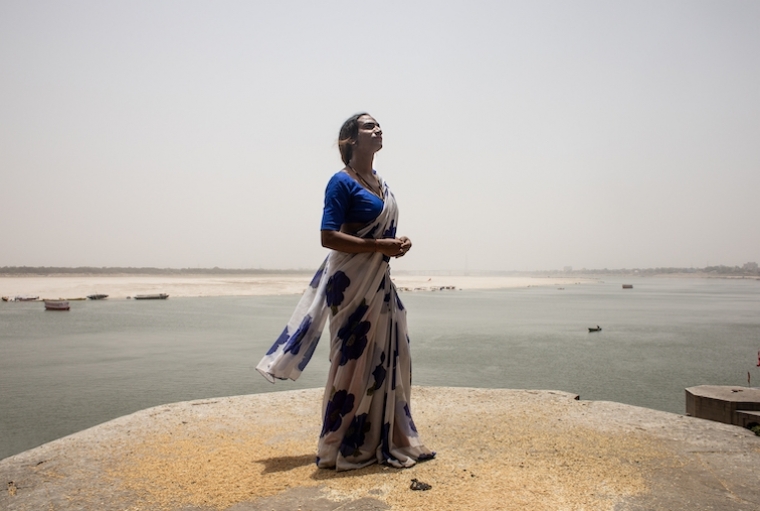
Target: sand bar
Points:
(68, 287)
(497, 449)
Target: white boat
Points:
(21, 298)
(56, 305)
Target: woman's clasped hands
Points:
(394, 247)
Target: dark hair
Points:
(347, 136)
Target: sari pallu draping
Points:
(366, 408)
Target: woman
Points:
(366, 407)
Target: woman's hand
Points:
(394, 247)
(406, 244)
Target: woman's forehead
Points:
(367, 119)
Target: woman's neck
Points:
(362, 165)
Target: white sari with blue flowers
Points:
(366, 407)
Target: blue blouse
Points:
(346, 201)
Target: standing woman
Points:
(366, 408)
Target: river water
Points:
(61, 372)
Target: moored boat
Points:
(56, 305)
(627, 286)
(97, 297)
(159, 296)
(597, 328)
(21, 298)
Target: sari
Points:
(366, 406)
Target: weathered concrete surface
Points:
(497, 449)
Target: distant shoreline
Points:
(53, 271)
(747, 271)
(123, 286)
(118, 286)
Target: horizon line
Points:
(747, 268)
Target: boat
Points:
(160, 296)
(97, 297)
(597, 328)
(21, 298)
(627, 286)
(56, 305)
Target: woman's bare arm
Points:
(344, 242)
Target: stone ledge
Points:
(497, 449)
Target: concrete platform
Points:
(727, 404)
(497, 449)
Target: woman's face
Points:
(370, 135)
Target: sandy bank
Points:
(497, 450)
(235, 285)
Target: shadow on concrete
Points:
(286, 463)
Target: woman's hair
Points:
(347, 137)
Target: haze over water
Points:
(63, 372)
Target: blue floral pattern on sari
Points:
(317, 277)
(390, 232)
(336, 285)
(354, 437)
(354, 335)
(409, 418)
(340, 405)
(294, 343)
(379, 375)
(307, 355)
(366, 415)
(282, 339)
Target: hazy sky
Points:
(518, 135)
